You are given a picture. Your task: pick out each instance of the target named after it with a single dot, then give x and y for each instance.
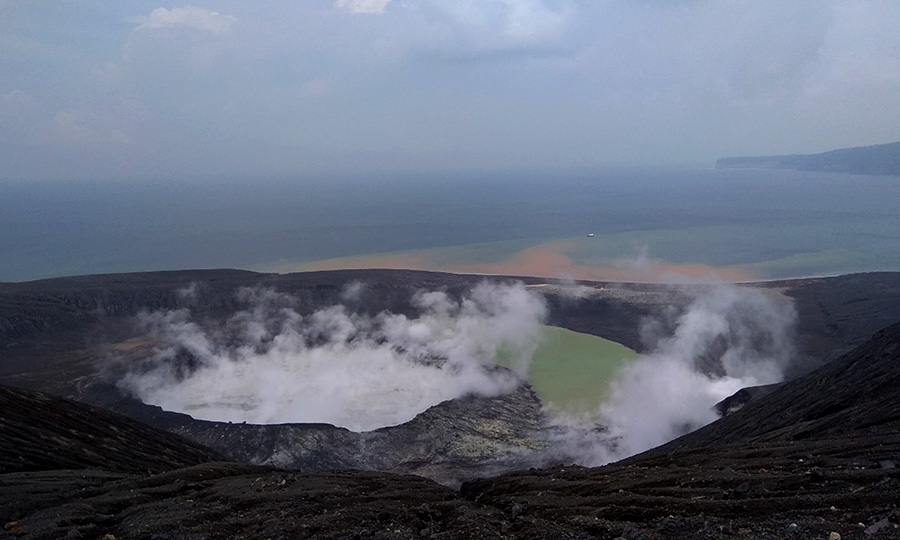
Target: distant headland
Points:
(881, 159)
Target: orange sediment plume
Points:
(546, 260)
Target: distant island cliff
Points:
(877, 159)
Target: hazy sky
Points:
(128, 89)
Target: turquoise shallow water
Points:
(772, 223)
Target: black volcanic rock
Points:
(739, 399)
(42, 432)
(837, 314)
(450, 442)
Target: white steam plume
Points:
(727, 339)
(268, 364)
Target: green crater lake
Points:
(571, 372)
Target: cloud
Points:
(315, 87)
(495, 28)
(727, 339)
(72, 126)
(362, 7)
(522, 18)
(85, 128)
(190, 17)
(15, 98)
(514, 84)
(352, 291)
(18, 118)
(268, 364)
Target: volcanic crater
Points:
(59, 336)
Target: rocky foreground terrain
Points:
(816, 456)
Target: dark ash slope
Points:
(822, 453)
(822, 456)
(42, 432)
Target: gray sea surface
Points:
(772, 223)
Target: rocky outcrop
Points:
(736, 401)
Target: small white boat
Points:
(590, 235)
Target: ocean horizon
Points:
(731, 224)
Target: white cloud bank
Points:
(512, 84)
(190, 17)
(362, 7)
(522, 20)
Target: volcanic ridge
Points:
(814, 457)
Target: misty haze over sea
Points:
(773, 224)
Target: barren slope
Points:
(819, 457)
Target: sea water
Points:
(771, 223)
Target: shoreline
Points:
(548, 260)
(761, 281)
(310, 268)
